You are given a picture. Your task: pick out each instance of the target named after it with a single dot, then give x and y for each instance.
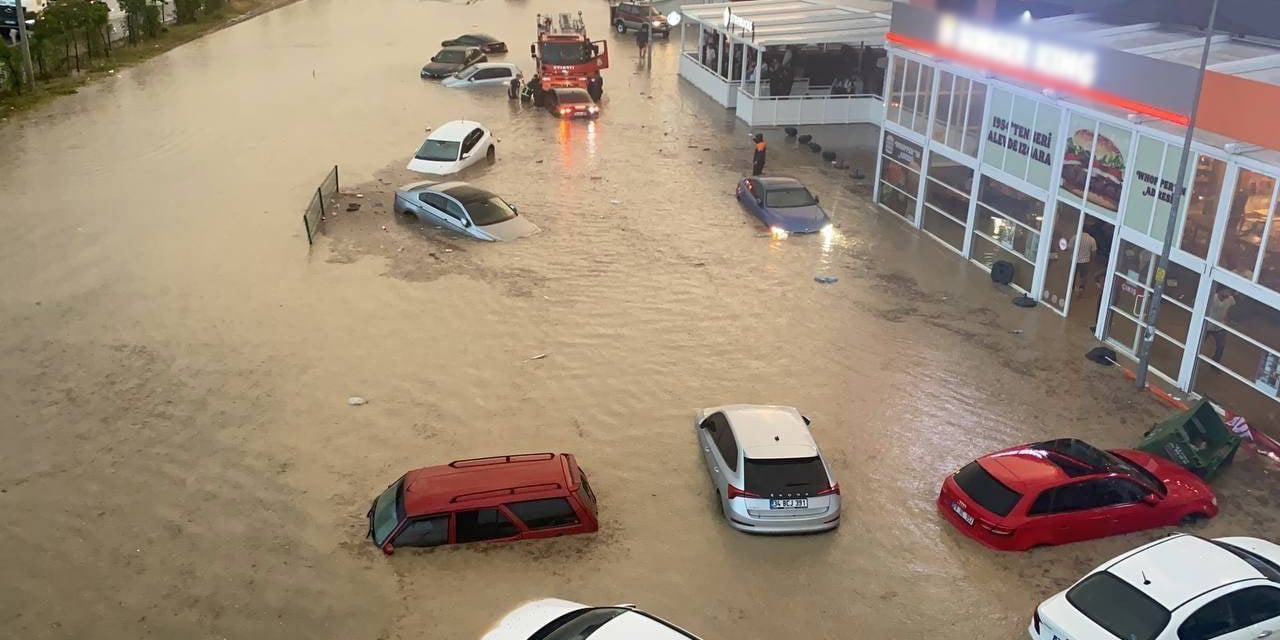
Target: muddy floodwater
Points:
(178, 459)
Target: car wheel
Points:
(620, 26)
(491, 154)
(1193, 520)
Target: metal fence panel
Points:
(323, 201)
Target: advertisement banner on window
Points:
(1093, 164)
(1020, 136)
(907, 153)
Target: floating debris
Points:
(357, 401)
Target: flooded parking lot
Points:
(179, 458)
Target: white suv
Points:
(1182, 587)
(766, 469)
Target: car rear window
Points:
(784, 476)
(577, 625)
(574, 97)
(1118, 607)
(985, 490)
(1264, 566)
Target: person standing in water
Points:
(757, 159)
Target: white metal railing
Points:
(809, 109)
(722, 90)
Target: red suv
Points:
(515, 497)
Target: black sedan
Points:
(483, 41)
(451, 60)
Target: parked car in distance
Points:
(483, 74)
(571, 102)
(451, 60)
(502, 498)
(1066, 490)
(483, 41)
(766, 469)
(464, 208)
(634, 14)
(1181, 587)
(556, 619)
(784, 205)
(452, 147)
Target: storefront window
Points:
(1247, 223)
(957, 120)
(1242, 336)
(1093, 165)
(900, 175)
(946, 200)
(1062, 257)
(1130, 294)
(912, 85)
(1020, 135)
(1202, 205)
(1007, 227)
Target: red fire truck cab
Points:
(566, 57)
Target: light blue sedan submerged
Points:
(464, 208)
(783, 204)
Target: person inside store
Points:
(1086, 247)
(1219, 307)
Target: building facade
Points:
(1043, 166)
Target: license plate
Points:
(964, 515)
(790, 503)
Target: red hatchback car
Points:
(516, 497)
(1067, 490)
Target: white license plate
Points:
(790, 503)
(964, 515)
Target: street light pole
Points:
(1157, 292)
(27, 73)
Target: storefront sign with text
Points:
(1057, 61)
(1021, 139)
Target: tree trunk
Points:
(75, 43)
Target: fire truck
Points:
(566, 57)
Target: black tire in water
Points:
(491, 154)
(620, 26)
(1193, 520)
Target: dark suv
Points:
(514, 497)
(636, 14)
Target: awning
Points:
(770, 23)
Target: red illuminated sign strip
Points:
(1023, 74)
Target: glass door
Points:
(1062, 259)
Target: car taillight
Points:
(735, 492)
(1035, 620)
(564, 110)
(999, 531)
(831, 490)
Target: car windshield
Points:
(1137, 472)
(784, 476)
(438, 151)
(490, 211)
(788, 197)
(573, 97)
(1118, 607)
(564, 53)
(454, 56)
(985, 490)
(579, 624)
(386, 513)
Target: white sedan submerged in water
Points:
(452, 147)
(556, 619)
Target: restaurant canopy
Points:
(770, 23)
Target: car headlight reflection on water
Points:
(828, 232)
(778, 232)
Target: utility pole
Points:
(1157, 293)
(27, 74)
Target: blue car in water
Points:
(783, 204)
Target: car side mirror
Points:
(515, 209)
(466, 155)
(533, 50)
(807, 421)
(1151, 499)
(471, 79)
(387, 548)
(816, 200)
(759, 201)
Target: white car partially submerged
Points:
(452, 147)
(483, 74)
(1182, 587)
(556, 619)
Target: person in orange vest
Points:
(757, 159)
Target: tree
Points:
(186, 11)
(10, 70)
(133, 18)
(151, 20)
(213, 7)
(98, 21)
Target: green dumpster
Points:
(1197, 440)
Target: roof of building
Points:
(431, 489)
(1254, 58)
(784, 22)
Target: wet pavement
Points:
(179, 459)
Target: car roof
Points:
(465, 193)
(495, 65)
(632, 625)
(777, 182)
(475, 481)
(454, 130)
(458, 47)
(770, 431)
(479, 36)
(1180, 568)
(1030, 467)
